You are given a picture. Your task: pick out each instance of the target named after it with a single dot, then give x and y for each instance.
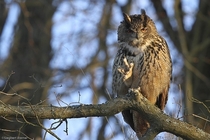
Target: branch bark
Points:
(158, 120)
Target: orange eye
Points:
(129, 31)
(143, 30)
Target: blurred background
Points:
(60, 52)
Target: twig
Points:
(8, 80)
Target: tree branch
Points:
(158, 120)
(165, 20)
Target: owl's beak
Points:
(137, 36)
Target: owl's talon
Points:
(126, 63)
(126, 72)
(135, 90)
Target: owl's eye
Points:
(130, 31)
(143, 30)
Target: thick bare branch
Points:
(159, 121)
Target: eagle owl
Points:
(142, 62)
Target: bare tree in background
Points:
(194, 46)
(26, 70)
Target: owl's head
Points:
(136, 27)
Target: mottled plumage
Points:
(142, 61)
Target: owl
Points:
(142, 62)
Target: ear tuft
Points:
(143, 12)
(144, 17)
(127, 18)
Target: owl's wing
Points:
(162, 99)
(118, 85)
(163, 96)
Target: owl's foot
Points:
(126, 71)
(134, 92)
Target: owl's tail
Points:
(140, 125)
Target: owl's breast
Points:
(151, 73)
(130, 51)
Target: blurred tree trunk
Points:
(29, 60)
(199, 72)
(194, 46)
(3, 15)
